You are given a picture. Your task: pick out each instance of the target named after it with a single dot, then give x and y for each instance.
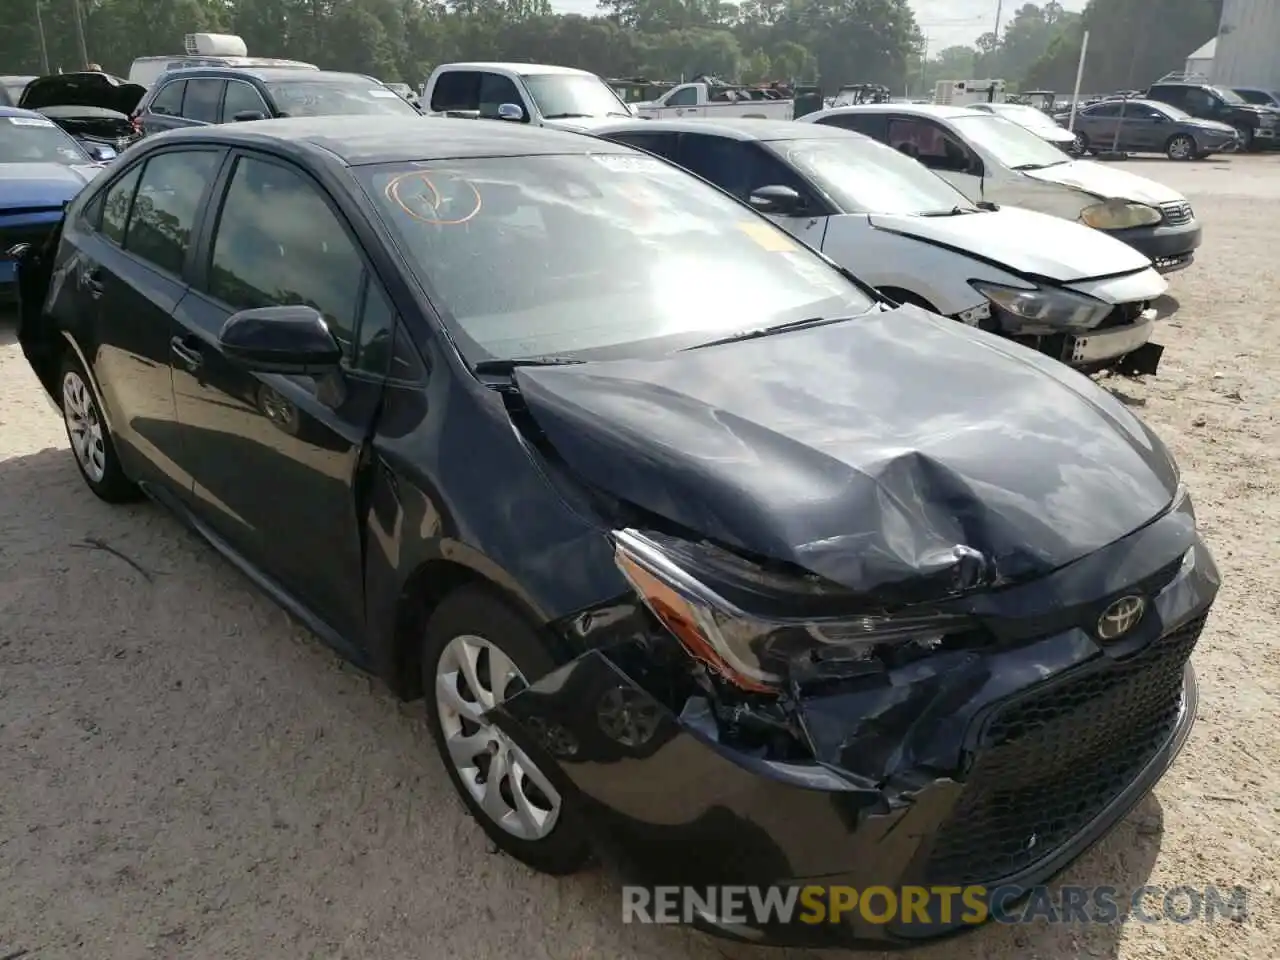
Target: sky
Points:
(945, 22)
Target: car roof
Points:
(266, 74)
(523, 69)
(359, 140)
(936, 110)
(1140, 101)
(731, 128)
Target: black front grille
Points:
(1123, 315)
(1052, 761)
(1176, 213)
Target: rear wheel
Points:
(477, 652)
(1181, 147)
(90, 438)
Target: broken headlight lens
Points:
(1045, 306)
(1119, 215)
(674, 579)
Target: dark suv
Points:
(1257, 126)
(204, 95)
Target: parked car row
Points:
(703, 554)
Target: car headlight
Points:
(1051, 307)
(693, 589)
(1119, 215)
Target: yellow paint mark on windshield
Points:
(769, 238)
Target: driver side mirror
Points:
(777, 201)
(290, 340)
(245, 116)
(102, 153)
(511, 112)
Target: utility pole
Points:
(84, 52)
(44, 48)
(999, 10)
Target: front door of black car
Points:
(164, 110)
(275, 458)
(133, 255)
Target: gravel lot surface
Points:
(186, 773)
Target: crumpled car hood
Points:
(865, 451)
(1105, 182)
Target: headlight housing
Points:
(685, 584)
(1117, 214)
(1050, 307)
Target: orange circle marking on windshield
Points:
(393, 188)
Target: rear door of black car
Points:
(134, 244)
(275, 458)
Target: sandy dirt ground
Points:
(186, 773)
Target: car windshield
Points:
(1008, 143)
(573, 95)
(1259, 97)
(592, 256)
(1027, 116)
(35, 140)
(865, 176)
(1230, 96)
(325, 98)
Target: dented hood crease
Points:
(865, 451)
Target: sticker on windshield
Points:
(769, 238)
(30, 122)
(624, 163)
(384, 94)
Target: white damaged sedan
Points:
(1063, 288)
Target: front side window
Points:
(563, 95)
(278, 243)
(166, 204)
(495, 90)
(864, 176)
(688, 97)
(594, 255)
(116, 206)
(869, 124)
(933, 146)
(37, 140)
(1102, 110)
(201, 100)
(168, 101)
(241, 98)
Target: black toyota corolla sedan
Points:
(701, 556)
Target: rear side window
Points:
(663, 144)
(278, 242)
(165, 208)
(115, 207)
(456, 90)
(201, 101)
(168, 101)
(242, 98)
(1103, 110)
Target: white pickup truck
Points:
(533, 93)
(704, 100)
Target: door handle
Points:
(91, 281)
(190, 356)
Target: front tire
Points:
(477, 652)
(1081, 146)
(1181, 147)
(1245, 143)
(91, 443)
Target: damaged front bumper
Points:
(995, 766)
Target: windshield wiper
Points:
(758, 332)
(564, 116)
(1038, 166)
(509, 365)
(956, 211)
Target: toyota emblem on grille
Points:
(1121, 617)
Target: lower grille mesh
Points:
(1054, 760)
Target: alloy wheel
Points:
(1181, 148)
(472, 677)
(84, 426)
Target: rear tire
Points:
(92, 446)
(475, 643)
